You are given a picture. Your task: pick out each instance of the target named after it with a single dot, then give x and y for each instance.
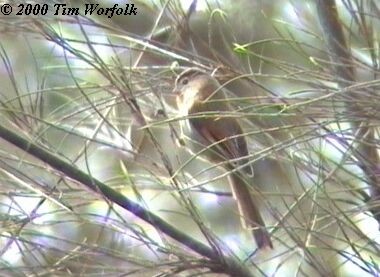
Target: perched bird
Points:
(217, 135)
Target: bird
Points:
(218, 136)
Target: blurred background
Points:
(95, 91)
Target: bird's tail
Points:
(249, 212)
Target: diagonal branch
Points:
(218, 263)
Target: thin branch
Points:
(366, 150)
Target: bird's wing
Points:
(228, 133)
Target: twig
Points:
(339, 53)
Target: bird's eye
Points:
(184, 81)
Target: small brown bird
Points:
(209, 125)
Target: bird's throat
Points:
(188, 101)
